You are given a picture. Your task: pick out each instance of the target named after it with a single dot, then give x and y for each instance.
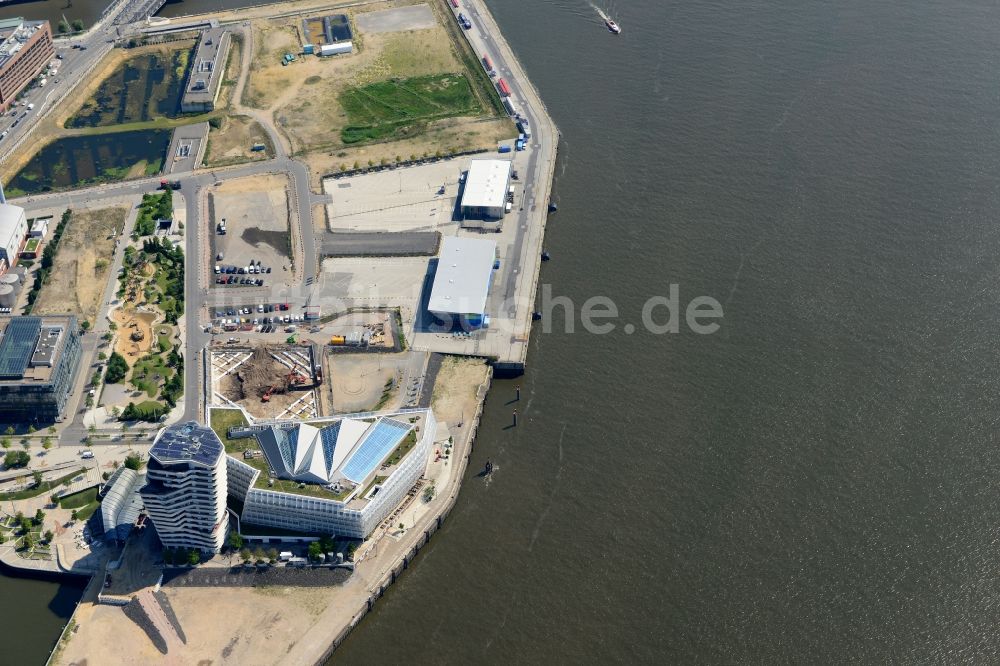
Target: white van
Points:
(87, 455)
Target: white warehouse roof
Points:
(486, 184)
(462, 281)
(10, 218)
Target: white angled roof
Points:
(462, 280)
(10, 218)
(486, 184)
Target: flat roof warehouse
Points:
(462, 281)
(486, 184)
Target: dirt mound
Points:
(261, 374)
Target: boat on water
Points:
(612, 26)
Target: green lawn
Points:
(87, 511)
(391, 108)
(222, 421)
(80, 499)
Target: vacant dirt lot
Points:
(232, 143)
(305, 95)
(454, 396)
(446, 136)
(80, 273)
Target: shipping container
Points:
(454, 3)
(503, 87)
(308, 49)
(509, 105)
(334, 49)
(338, 340)
(503, 148)
(525, 129)
(487, 63)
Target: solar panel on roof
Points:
(17, 345)
(382, 439)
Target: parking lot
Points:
(413, 198)
(249, 231)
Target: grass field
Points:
(222, 421)
(79, 499)
(400, 107)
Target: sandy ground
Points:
(129, 321)
(454, 396)
(231, 144)
(358, 381)
(77, 281)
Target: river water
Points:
(816, 481)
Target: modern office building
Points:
(13, 232)
(39, 361)
(462, 281)
(25, 50)
(185, 491)
(201, 92)
(331, 476)
(486, 186)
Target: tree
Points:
(52, 430)
(36, 476)
(84, 325)
(5, 442)
(133, 461)
(46, 443)
(28, 541)
(9, 431)
(16, 459)
(117, 369)
(54, 498)
(402, 527)
(315, 550)
(235, 540)
(272, 555)
(39, 517)
(48, 536)
(32, 430)
(193, 557)
(63, 27)
(245, 555)
(101, 356)
(25, 443)
(77, 25)
(73, 515)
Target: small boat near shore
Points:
(612, 26)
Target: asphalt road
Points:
(371, 244)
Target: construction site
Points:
(269, 381)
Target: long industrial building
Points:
(485, 192)
(185, 491)
(39, 361)
(13, 232)
(462, 281)
(331, 476)
(204, 82)
(25, 49)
